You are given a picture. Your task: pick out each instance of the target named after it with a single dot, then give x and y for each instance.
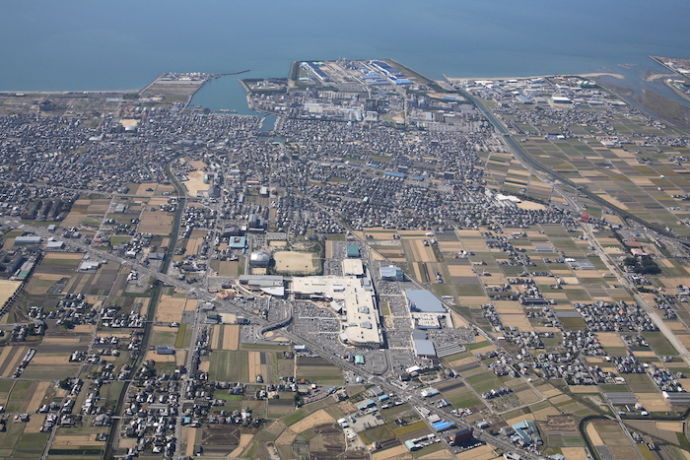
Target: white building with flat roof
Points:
(353, 267)
(352, 299)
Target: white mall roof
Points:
(353, 267)
(346, 293)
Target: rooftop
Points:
(424, 301)
(349, 296)
(353, 267)
(424, 347)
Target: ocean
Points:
(86, 44)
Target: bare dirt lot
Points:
(231, 337)
(37, 398)
(151, 188)
(254, 361)
(195, 240)
(7, 290)
(170, 309)
(295, 262)
(152, 355)
(195, 184)
(72, 440)
(155, 222)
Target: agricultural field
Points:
(318, 370)
(234, 362)
(620, 177)
(567, 271)
(150, 188)
(172, 307)
(507, 174)
(647, 180)
(86, 214)
(467, 278)
(7, 290)
(24, 439)
(610, 441)
(155, 221)
(47, 361)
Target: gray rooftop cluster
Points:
(423, 301)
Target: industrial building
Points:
(442, 425)
(421, 300)
(54, 245)
(87, 265)
(165, 350)
(391, 273)
(429, 392)
(526, 433)
(353, 299)
(27, 240)
(677, 398)
(268, 284)
(423, 347)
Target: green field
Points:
(183, 336)
(229, 366)
(483, 382)
(659, 344)
(319, 370)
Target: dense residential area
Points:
(375, 265)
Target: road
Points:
(327, 354)
(527, 159)
(650, 310)
(532, 165)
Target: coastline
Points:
(585, 75)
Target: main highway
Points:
(203, 295)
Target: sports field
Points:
(297, 263)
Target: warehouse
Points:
(423, 347)
(391, 273)
(421, 300)
(27, 240)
